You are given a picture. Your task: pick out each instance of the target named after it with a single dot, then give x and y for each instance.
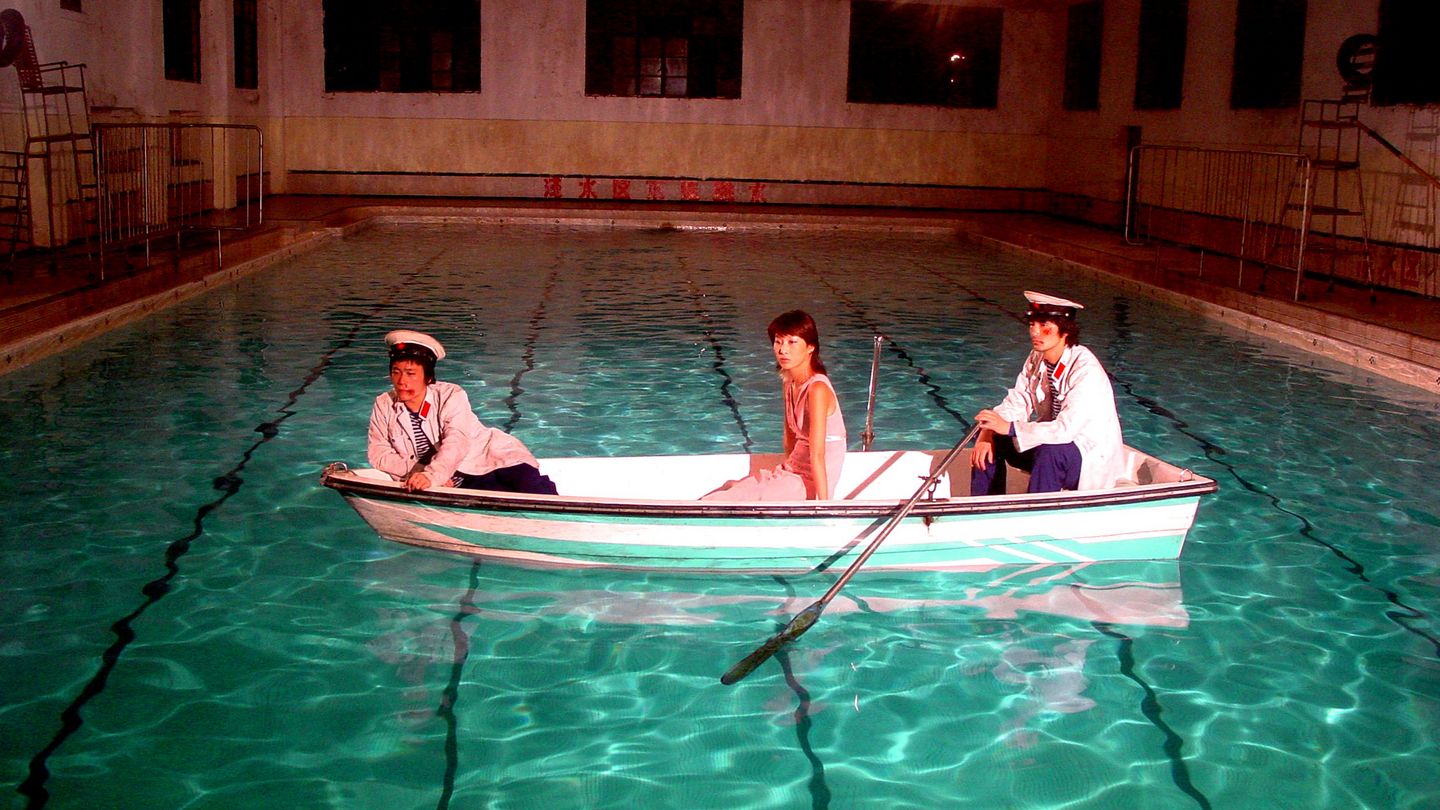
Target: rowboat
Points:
(643, 513)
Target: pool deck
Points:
(50, 302)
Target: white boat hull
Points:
(598, 523)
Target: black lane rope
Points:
(1150, 706)
(819, 790)
(1214, 453)
(717, 351)
(71, 721)
(537, 325)
(921, 375)
(1398, 617)
(451, 695)
(820, 793)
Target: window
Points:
(247, 45)
(1407, 65)
(913, 53)
(182, 40)
(663, 48)
(70, 5)
(1160, 66)
(1269, 48)
(402, 46)
(1084, 26)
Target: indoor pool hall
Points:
(610, 225)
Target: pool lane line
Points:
(33, 787)
(1150, 707)
(1213, 453)
(451, 694)
(820, 794)
(717, 350)
(931, 389)
(819, 790)
(527, 356)
(1307, 528)
(156, 589)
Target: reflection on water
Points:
(1043, 662)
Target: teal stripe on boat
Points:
(915, 556)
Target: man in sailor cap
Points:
(1058, 422)
(423, 432)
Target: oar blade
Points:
(797, 626)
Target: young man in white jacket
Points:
(1074, 440)
(422, 431)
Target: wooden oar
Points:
(807, 617)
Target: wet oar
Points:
(807, 617)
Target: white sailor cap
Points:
(1042, 305)
(404, 343)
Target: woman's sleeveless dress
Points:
(791, 480)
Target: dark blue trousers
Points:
(515, 478)
(1052, 467)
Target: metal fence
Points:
(1254, 206)
(163, 180)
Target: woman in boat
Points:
(814, 427)
(423, 432)
(1074, 442)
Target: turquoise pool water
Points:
(191, 621)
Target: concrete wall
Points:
(791, 126)
(792, 136)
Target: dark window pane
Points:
(402, 46)
(1160, 66)
(674, 48)
(1407, 63)
(1269, 48)
(1084, 27)
(182, 40)
(912, 53)
(247, 45)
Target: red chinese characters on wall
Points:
(588, 189)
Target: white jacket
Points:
(1087, 414)
(461, 442)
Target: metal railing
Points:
(166, 179)
(1254, 206)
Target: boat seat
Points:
(877, 475)
(890, 475)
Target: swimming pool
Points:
(192, 621)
